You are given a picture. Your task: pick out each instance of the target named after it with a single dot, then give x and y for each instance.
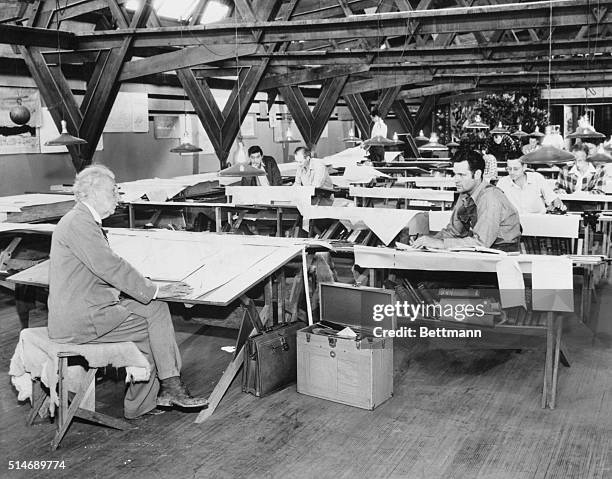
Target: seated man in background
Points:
(482, 216)
(268, 164)
(309, 172)
(582, 176)
(97, 297)
(528, 191)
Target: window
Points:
(182, 9)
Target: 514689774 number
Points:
(36, 465)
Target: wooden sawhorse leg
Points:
(251, 321)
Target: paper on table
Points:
(553, 285)
(511, 283)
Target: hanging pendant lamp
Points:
(380, 141)
(421, 137)
(520, 133)
(601, 156)
(499, 130)
(477, 124)
(547, 155)
(585, 130)
(433, 144)
(65, 138)
(536, 133)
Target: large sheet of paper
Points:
(558, 226)
(426, 181)
(267, 195)
(407, 193)
(14, 204)
(551, 295)
(385, 223)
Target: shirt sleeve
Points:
(319, 176)
(546, 190)
(486, 229)
(599, 179)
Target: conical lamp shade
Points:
(242, 170)
(547, 155)
(380, 141)
(601, 156)
(351, 137)
(433, 144)
(185, 148)
(536, 133)
(519, 133)
(585, 130)
(65, 138)
(421, 137)
(477, 124)
(499, 130)
(452, 144)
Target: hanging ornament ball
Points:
(19, 114)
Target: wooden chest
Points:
(354, 371)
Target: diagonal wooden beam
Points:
(360, 113)
(403, 115)
(330, 93)
(101, 94)
(386, 98)
(423, 116)
(298, 107)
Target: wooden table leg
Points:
(548, 365)
(557, 329)
(131, 216)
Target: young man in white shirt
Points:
(528, 191)
(377, 153)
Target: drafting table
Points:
(216, 279)
(442, 182)
(407, 194)
(552, 283)
(384, 223)
(34, 207)
(227, 216)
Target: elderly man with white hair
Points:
(97, 297)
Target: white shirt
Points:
(532, 197)
(94, 213)
(379, 129)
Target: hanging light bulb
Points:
(241, 166)
(351, 137)
(65, 138)
(477, 124)
(240, 155)
(585, 129)
(433, 144)
(395, 137)
(519, 133)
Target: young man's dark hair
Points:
(474, 159)
(306, 151)
(255, 149)
(375, 112)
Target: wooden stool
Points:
(41, 360)
(68, 410)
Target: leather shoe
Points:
(174, 393)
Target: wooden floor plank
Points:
(454, 414)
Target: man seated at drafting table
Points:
(482, 216)
(310, 172)
(259, 160)
(97, 297)
(528, 191)
(582, 176)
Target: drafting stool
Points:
(47, 361)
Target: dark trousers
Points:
(150, 328)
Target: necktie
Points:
(467, 213)
(104, 232)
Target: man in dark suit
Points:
(258, 160)
(97, 297)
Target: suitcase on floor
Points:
(270, 361)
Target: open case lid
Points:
(353, 306)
